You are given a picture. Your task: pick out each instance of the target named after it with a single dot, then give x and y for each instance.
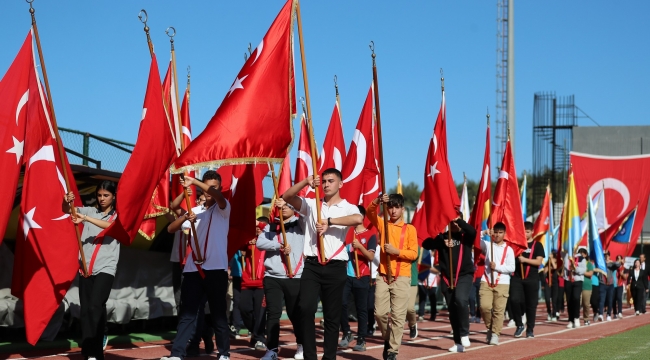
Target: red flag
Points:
(440, 196)
(360, 172)
(14, 92)
(625, 179)
(542, 224)
(262, 93)
(480, 215)
(46, 257)
(607, 235)
(333, 153)
(419, 220)
(152, 154)
(507, 203)
(304, 162)
(177, 188)
(284, 178)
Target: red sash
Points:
(98, 244)
(460, 259)
(503, 259)
(532, 250)
(293, 273)
(205, 247)
(398, 262)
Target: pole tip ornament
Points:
(488, 116)
(142, 15)
(31, 6)
(336, 85)
(302, 102)
(372, 48)
(442, 79)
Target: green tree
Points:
(411, 193)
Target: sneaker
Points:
(457, 348)
(609, 318)
(637, 313)
(420, 318)
(511, 323)
(346, 340)
(523, 319)
(233, 332)
(270, 355)
(260, 346)
(529, 333)
(413, 331)
(587, 323)
(104, 342)
(571, 325)
(162, 358)
(494, 340)
(600, 318)
(553, 319)
(577, 323)
(465, 341)
(548, 317)
(451, 332)
(360, 346)
(391, 356)
(488, 337)
(92, 358)
(238, 336)
(322, 323)
(299, 353)
(595, 318)
(557, 314)
(519, 331)
(224, 357)
(620, 316)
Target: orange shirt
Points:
(409, 250)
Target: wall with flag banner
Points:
(625, 179)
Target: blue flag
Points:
(624, 234)
(594, 244)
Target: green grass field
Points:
(633, 344)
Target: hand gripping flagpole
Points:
(55, 128)
(181, 141)
(386, 237)
(284, 232)
(312, 141)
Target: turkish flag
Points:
(242, 186)
(304, 163)
(625, 180)
(480, 215)
(542, 224)
(419, 220)
(507, 203)
(284, 177)
(14, 92)
(152, 154)
(360, 172)
(177, 188)
(47, 252)
(333, 153)
(263, 93)
(440, 195)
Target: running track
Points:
(433, 341)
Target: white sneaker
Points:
(270, 355)
(637, 313)
(609, 318)
(511, 323)
(523, 319)
(494, 340)
(577, 322)
(620, 316)
(570, 325)
(162, 358)
(457, 348)
(553, 319)
(92, 358)
(465, 341)
(600, 318)
(260, 346)
(224, 357)
(548, 317)
(299, 353)
(595, 317)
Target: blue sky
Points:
(97, 60)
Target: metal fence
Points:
(95, 151)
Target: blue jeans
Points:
(606, 297)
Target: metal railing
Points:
(93, 150)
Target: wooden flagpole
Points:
(287, 258)
(55, 128)
(490, 222)
(386, 237)
(181, 141)
(356, 257)
(312, 141)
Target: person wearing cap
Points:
(461, 247)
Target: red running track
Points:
(433, 341)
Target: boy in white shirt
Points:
(495, 284)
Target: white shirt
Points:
(374, 264)
(636, 274)
(216, 254)
(334, 237)
(433, 279)
(502, 272)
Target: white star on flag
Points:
(233, 186)
(17, 149)
(433, 171)
(29, 223)
(237, 85)
(419, 205)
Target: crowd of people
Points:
(340, 253)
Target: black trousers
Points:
(638, 294)
(329, 281)
(275, 291)
(573, 290)
(474, 300)
(371, 305)
(550, 296)
(236, 319)
(524, 296)
(93, 294)
(458, 304)
(253, 313)
(177, 277)
(194, 291)
(595, 299)
(359, 289)
(618, 300)
(424, 293)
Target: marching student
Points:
(574, 270)
(251, 300)
(495, 284)
(525, 287)
(327, 278)
(102, 263)
(587, 289)
(411, 315)
(279, 285)
(210, 277)
(457, 298)
(362, 247)
(400, 250)
(639, 287)
(427, 287)
(621, 280)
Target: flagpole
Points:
(451, 267)
(386, 237)
(284, 233)
(181, 141)
(55, 128)
(490, 221)
(312, 141)
(356, 257)
(338, 100)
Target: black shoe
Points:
(392, 356)
(529, 333)
(192, 351)
(384, 354)
(413, 331)
(519, 331)
(352, 318)
(347, 339)
(360, 346)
